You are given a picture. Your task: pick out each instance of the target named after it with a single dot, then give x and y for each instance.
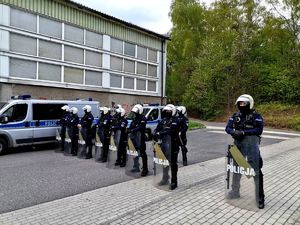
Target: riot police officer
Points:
(73, 124)
(245, 127)
(103, 125)
(121, 125)
(168, 131)
(63, 123)
(183, 127)
(137, 131)
(86, 124)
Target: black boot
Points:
(173, 185)
(145, 171)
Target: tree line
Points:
(232, 47)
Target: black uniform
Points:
(63, 122)
(246, 128)
(137, 131)
(167, 130)
(120, 127)
(104, 133)
(183, 127)
(72, 125)
(87, 131)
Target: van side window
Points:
(16, 112)
(47, 111)
(153, 115)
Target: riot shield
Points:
(242, 179)
(59, 144)
(98, 146)
(82, 150)
(161, 161)
(113, 149)
(133, 162)
(68, 141)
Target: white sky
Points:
(149, 14)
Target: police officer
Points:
(183, 127)
(103, 125)
(168, 131)
(245, 127)
(121, 125)
(86, 124)
(73, 124)
(137, 131)
(63, 123)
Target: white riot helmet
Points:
(122, 111)
(74, 110)
(118, 106)
(245, 98)
(170, 108)
(137, 109)
(65, 108)
(104, 110)
(87, 108)
(181, 109)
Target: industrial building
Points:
(59, 49)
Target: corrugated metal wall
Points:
(62, 11)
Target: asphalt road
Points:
(29, 177)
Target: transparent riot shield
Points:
(68, 141)
(59, 145)
(113, 149)
(98, 146)
(161, 162)
(242, 179)
(82, 149)
(134, 161)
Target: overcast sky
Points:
(149, 14)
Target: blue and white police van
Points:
(25, 121)
(153, 113)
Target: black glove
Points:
(155, 137)
(238, 135)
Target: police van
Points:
(25, 121)
(153, 113)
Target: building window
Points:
(93, 58)
(73, 75)
(116, 45)
(50, 27)
(49, 72)
(93, 39)
(73, 54)
(152, 70)
(22, 68)
(152, 55)
(129, 49)
(129, 66)
(93, 78)
(116, 63)
(128, 83)
(140, 84)
(23, 20)
(141, 52)
(151, 86)
(49, 50)
(73, 34)
(22, 44)
(141, 68)
(115, 81)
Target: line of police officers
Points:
(171, 126)
(245, 127)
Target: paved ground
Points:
(54, 176)
(198, 200)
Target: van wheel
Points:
(3, 146)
